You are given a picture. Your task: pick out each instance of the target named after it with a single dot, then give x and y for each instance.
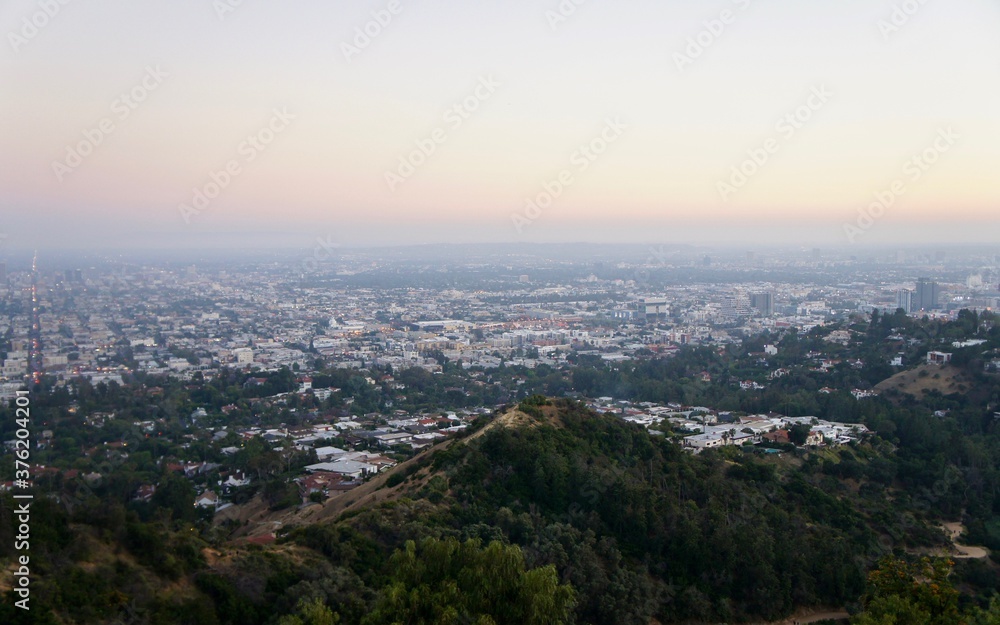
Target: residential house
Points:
(208, 499)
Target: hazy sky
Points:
(115, 113)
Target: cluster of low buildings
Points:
(373, 443)
(700, 428)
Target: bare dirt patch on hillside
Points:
(955, 550)
(925, 378)
(511, 419)
(954, 531)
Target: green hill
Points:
(639, 528)
(547, 514)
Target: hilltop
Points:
(642, 530)
(258, 520)
(945, 379)
(626, 522)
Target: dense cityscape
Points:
(248, 403)
(110, 319)
(499, 313)
(485, 322)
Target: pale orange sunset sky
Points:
(673, 95)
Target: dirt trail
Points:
(822, 616)
(813, 617)
(954, 531)
(366, 494)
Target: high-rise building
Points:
(926, 295)
(904, 300)
(736, 306)
(763, 302)
(243, 355)
(3, 271)
(655, 308)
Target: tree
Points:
(799, 433)
(177, 495)
(989, 616)
(313, 612)
(902, 593)
(447, 581)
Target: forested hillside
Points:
(553, 513)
